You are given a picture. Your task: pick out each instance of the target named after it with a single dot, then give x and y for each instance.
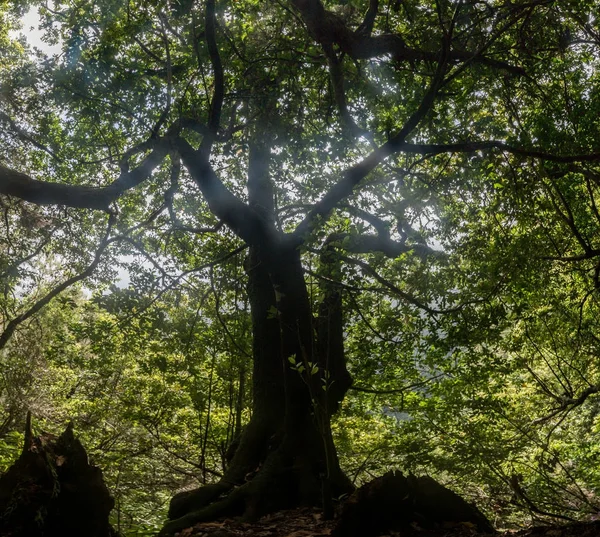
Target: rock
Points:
(53, 491)
(395, 502)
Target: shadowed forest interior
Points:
(254, 255)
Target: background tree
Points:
(440, 156)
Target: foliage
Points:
(454, 176)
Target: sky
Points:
(33, 34)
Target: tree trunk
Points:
(286, 456)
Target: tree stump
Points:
(53, 491)
(395, 502)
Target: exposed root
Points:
(279, 484)
(289, 475)
(194, 500)
(232, 505)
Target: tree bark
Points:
(286, 455)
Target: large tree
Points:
(322, 141)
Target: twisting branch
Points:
(567, 404)
(21, 185)
(244, 221)
(521, 496)
(328, 28)
(14, 323)
(354, 175)
(380, 225)
(511, 18)
(146, 145)
(367, 243)
(336, 74)
(366, 26)
(166, 111)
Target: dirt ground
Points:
(309, 523)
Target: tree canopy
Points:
(389, 207)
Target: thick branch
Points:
(337, 82)
(260, 185)
(330, 330)
(245, 222)
(327, 28)
(474, 146)
(170, 193)
(214, 118)
(20, 185)
(573, 402)
(380, 225)
(366, 27)
(353, 176)
(367, 243)
(569, 403)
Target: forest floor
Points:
(309, 523)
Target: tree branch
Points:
(367, 243)
(214, 117)
(20, 185)
(569, 403)
(170, 193)
(244, 221)
(366, 26)
(368, 269)
(354, 175)
(567, 216)
(14, 323)
(474, 146)
(380, 225)
(25, 136)
(336, 74)
(10, 269)
(327, 28)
